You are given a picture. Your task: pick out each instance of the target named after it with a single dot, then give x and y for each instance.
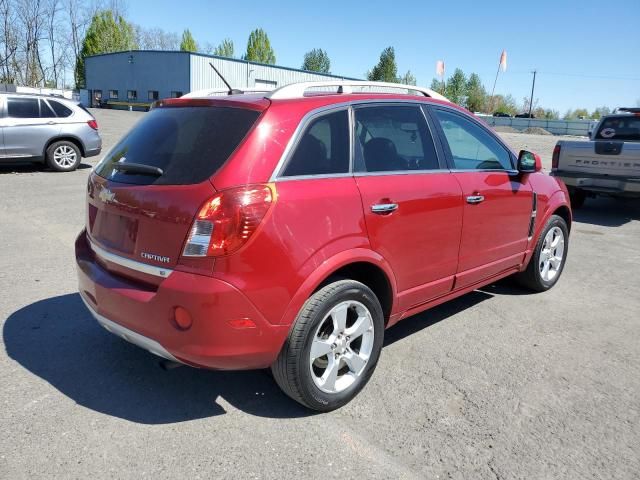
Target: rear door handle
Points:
(382, 208)
(475, 198)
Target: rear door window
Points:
(323, 148)
(23, 107)
(189, 144)
(393, 138)
(620, 128)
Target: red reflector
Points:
(182, 318)
(556, 157)
(93, 124)
(242, 323)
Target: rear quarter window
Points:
(189, 144)
(60, 109)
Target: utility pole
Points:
(533, 86)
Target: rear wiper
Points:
(138, 168)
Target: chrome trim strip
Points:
(129, 335)
(128, 263)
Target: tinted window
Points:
(188, 143)
(471, 146)
(393, 138)
(323, 148)
(153, 95)
(45, 110)
(23, 107)
(620, 128)
(60, 109)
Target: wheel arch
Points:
(363, 265)
(69, 138)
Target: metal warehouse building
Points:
(142, 76)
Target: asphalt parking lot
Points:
(498, 384)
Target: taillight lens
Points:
(93, 124)
(556, 157)
(227, 220)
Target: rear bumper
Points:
(599, 183)
(93, 152)
(144, 315)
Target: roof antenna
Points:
(231, 90)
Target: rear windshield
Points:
(620, 128)
(189, 144)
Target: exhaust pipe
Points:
(167, 365)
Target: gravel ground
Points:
(498, 384)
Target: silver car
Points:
(54, 130)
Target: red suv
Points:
(289, 230)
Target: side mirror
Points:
(529, 162)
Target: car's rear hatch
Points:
(144, 194)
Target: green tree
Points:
(408, 78)
(188, 43)
(259, 48)
(386, 70)
(600, 112)
(106, 33)
(456, 87)
(476, 93)
(503, 103)
(577, 113)
(225, 49)
(316, 60)
(437, 85)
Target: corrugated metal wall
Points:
(166, 72)
(241, 74)
(140, 71)
(557, 127)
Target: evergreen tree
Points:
(386, 70)
(456, 87)
(476, 94)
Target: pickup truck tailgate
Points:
(601, 157)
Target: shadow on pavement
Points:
(58, 340)
(608, 212)
(22, 167)
(423, 320)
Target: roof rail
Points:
(297, 90)
(627, 109)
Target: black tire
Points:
(292, 369)
(577, 196)
(67, 165)
(532, 278)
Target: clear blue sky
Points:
(587, 52)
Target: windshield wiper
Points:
(139, 168)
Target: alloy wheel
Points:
(341, 347)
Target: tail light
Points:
(227, 220)
(93, 124)
(556, 157)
